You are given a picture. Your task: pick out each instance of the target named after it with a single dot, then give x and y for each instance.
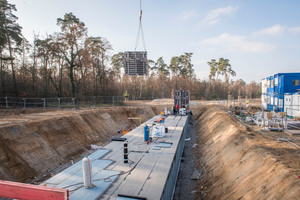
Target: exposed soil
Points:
(184, 182)
(36, 145)
(185, 185)
(20, 111)
(241, 164)
(236, 162)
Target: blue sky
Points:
(259, 37)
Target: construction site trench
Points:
(34, 144)
(234, 162)
(240, 163)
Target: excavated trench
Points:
(236, 163)
(242, 164)
(36, 145)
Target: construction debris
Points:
(196, 174)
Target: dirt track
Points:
(238, 164)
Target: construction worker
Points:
(247, 106)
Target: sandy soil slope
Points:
(241, 164)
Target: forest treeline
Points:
(72, 63)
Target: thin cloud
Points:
(214, 16)
(185, 15)
(295, 29)
(237, 43)
(273, 30)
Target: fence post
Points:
(263, 115)
(94, 99)
(59, 103)
(74, 103)
(283, 133)
(6, 102)
(24, 103)
(113, 101)
(286, 123)
(234, 107)
(44, 99)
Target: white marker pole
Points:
(87, 173)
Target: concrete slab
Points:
(102, 180)
(164, 144)
(151, 166)
(146, 175)
(73, 169)
(97, 167)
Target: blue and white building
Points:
(275, 87)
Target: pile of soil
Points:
(36, 145)
(240, 164)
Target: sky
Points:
(259, 37)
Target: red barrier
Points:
(23, 191)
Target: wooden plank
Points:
(23, 191)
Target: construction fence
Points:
(74, 103)
(60, 103)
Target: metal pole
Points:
(24, 103)
(44, 102)
(286, 124)
(263, 115)
(6, 102)
(113, 101)
(74, 105)
(283, 135)
(234, 107)
(59, 103)
(94, 99)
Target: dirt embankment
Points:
(238, 164)
(38, 142)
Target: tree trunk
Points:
(71, 76)
(46, 77)
(81, 71)
(1, 71)
(33, 73)
(60, 79)
(12, 65)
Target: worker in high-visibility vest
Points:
(247, 106)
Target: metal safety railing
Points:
(292, 110)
